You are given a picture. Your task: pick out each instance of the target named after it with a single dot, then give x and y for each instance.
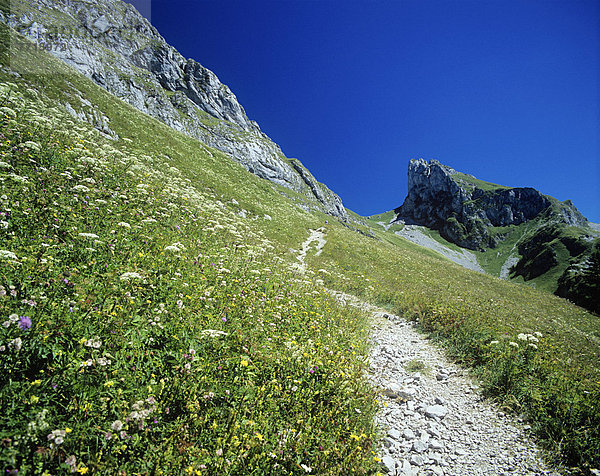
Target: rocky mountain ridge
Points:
(551, 244)
(111, 43)
(464, 208)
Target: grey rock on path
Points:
(435, 420)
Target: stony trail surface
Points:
(416, 234)
(316, 236)
(434, 417)
(435, 420)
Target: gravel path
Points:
(316, 236)
(464, 258)
(433, 415)
(434, 418)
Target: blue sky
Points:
(508, 91)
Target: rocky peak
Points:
(111, 43)
(463, 208)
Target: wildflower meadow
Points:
(154, 319)
(146, 331)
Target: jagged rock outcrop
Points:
(111, 43)
(580, 282)
(463, 208)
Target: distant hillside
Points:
(518, 232)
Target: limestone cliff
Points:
(464, 208)
(111, 43)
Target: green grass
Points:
(558, 385)
(469, 180)
(281, 389)
(492, 259)
(156, 330)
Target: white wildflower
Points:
(8, 112)
(18, 178)
(494, 342)
(57, 436)
(96, 343)
(124, 224)
(16, 343)
(4, 254)
(5, 165)
(117, 425)
(513, 344)
(522, 337)
(32, 145)
(130, 275)
(537, 334)
(88, 235)
(175, 247)
(212, 333)
(533, 346)
(80, 188)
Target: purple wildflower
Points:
(24, 322)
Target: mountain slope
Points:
(111, 43)
(147, 244)
(519, 233)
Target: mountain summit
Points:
(464, 208)
(519, 232)
(111, 43)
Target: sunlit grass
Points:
(155, 273)
(147, 327)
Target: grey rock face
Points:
(111, 43)
(441, 198)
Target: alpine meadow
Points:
(170, 282)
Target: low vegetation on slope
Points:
(148, 328)
(151, 323)
(494, 326)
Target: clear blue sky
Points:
(508, 91)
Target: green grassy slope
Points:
(149, 327)
(281, 389)
(472, 182)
